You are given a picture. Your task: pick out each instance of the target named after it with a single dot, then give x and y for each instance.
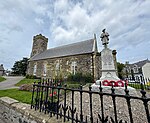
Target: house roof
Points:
(84, 47)
(141, 63)
(1, 68)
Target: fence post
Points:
(145, 102)
(64, 107)
(32, 95)
(127, 96)
(81, 113)
(102, 107)
(41, 100)
(46, 98)
(114, 102)
(91, 113)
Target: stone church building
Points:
(64, 60)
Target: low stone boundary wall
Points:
(12, 111)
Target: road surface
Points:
(10, 82)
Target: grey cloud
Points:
(65, 21)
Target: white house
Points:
(146, 70)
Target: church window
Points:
(34, 69)
(57, 68)
(44, 69)
(67, 62)
(74, 67)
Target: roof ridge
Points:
(141, 61)
(71, 44)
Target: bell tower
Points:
(39, 44)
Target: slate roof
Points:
(141, 63)
(83, 47)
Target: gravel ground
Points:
(138, 110)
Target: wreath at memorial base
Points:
(119, 83)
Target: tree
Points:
(120, 67)
(20, 67)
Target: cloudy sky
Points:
(68, 21)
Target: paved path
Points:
(10, 82)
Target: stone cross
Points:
(104, 38)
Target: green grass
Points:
(21, 96)
(138, 86)
(26, 81)
(2, 79)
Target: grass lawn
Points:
(27, 81)
(138, 86)
(22, 96)
(25, 96)
(2, 79)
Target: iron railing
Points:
(53, 99)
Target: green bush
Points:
(80, 78)
(73, 86)
(32, 77)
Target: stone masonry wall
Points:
(84, 65)
(12, 111)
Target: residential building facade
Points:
(134, 70)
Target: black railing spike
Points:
(112, 120)
(106, 119)
(113, 89)
(90, 88)
(76, 117)
(68, 115)
(33, 89)
(126, 81)
(97, 120)
(142, 86)
(120, 121)
(99, 117)
(81, 87)
(60, 113)
(86, 119)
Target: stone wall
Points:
(85, 64)
(39, 44)
(12, 111)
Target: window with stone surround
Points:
(74, 67)
(57, 68)
(34, 69)
(44, 69)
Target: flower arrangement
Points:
(53, 97)
(119, 83)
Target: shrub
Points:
(32, 77)
(76, 86)
(26, 87)
(81, 78)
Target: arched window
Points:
(74, 67)
(34, 69)
(44, 69)
(57, 68)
